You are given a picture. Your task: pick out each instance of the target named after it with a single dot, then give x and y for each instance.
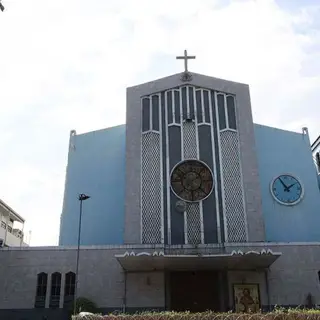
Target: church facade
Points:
(193, 207)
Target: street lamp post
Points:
(82, 197)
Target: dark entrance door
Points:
(194, 291)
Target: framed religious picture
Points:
(246, 297)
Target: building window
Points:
(41, 290)
(319, 276)
(69, 288)
(55, 290)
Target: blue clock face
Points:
(287, 189)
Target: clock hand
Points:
(291, 185)
(285, 187)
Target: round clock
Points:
(286, 189)
(192, 180)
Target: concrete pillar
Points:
(48, 293)
(63, 282)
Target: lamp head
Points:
(1, 6)
(83, 197)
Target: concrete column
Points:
(63, 282)
(47, 302)
(21, 241)
(5, 236)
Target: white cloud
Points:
(66, 64)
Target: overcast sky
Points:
(65, 64)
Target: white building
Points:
(12, 225)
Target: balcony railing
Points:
(16, 232)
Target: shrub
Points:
(85, 305)
(289, 314)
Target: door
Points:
(194, 291)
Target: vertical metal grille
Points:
(190, 151)
(233, 192)
(151, 188)
(189, 140)
(193, 223)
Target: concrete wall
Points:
(20, 267)
(101, 278)
(295, 275)
(280, 152)
(145, 290)
(96, 166)
(291, 278)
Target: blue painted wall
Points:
(281, 152)
(96, 166)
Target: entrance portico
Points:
(200, 282)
